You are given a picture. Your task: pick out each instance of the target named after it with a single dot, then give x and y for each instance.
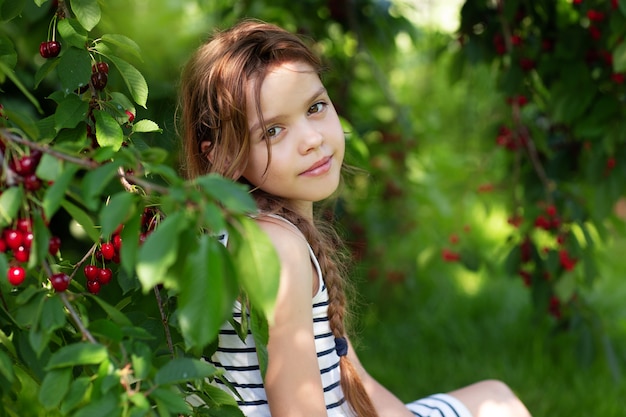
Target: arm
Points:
(386, 404)
(293, 383)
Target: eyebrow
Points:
(271, 120)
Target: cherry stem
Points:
(68, 305)
(164, 321)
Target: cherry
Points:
(3, 246)
(32, 183)
(16, 275)
(101, 67)
(49, 49)
(28, 239)
(60, 282)
(108, 251)
(93, 287)
(24, 224)
(99, 80)
(25, 166)
(91, 272)
(54, 245)
(117, 242)
(104, 275)
(13, 238)
(21, 254)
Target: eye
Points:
(317, 107)
(273, 132)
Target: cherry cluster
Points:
(108, 253)
(17, 241)
(22, 170)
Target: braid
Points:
(329, 251)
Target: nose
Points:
(311, 137)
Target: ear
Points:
(207, 149)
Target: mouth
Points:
(320, 167)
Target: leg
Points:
(491, 398)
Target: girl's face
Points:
(305, 135)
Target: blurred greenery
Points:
(424, 325)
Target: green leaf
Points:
(41, 242)
(141, 359)
(135, 82)
(108, 130)
(106, 406)
(6, 365)
(181, 370)
(83, 219)
(77, 354)
(260, 332)
(55, 194)
(130, 239)
(231, 194)
(72, 32)
(70, 112)
(258, 266)
(49, 167)
(113, 313)
(619, 58)
(87, 12)
(52, 314)
(76, 394)
(54, 387)
(74, 69)
(10, 9)
(6, 70)
(205, 297)
(10, 202)
(170, 402)
(159, 251)
(123, 43)
(120, 207)
(146, 126)
(94, 183)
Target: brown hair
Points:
(213, 110)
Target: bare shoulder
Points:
(285, 236)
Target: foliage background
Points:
(427, 141)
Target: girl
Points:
(254, 109)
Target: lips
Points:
(320, 167)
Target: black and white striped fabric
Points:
(240, 364)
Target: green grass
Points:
(445, 328)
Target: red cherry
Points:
(54, 245)
(13, 238)
(60, 282)
(21, 254)
(3, 245)
(104, 275)
(99, 80)
(49, 49)
(24, 224)
(28, 239)
(102, 67)
(91, 272)
(16, 275)
(25, 166)
(32, 183)
(108, 251)
(117, 242)
(93, 287)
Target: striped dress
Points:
(240, 366)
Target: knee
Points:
(495, 389)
